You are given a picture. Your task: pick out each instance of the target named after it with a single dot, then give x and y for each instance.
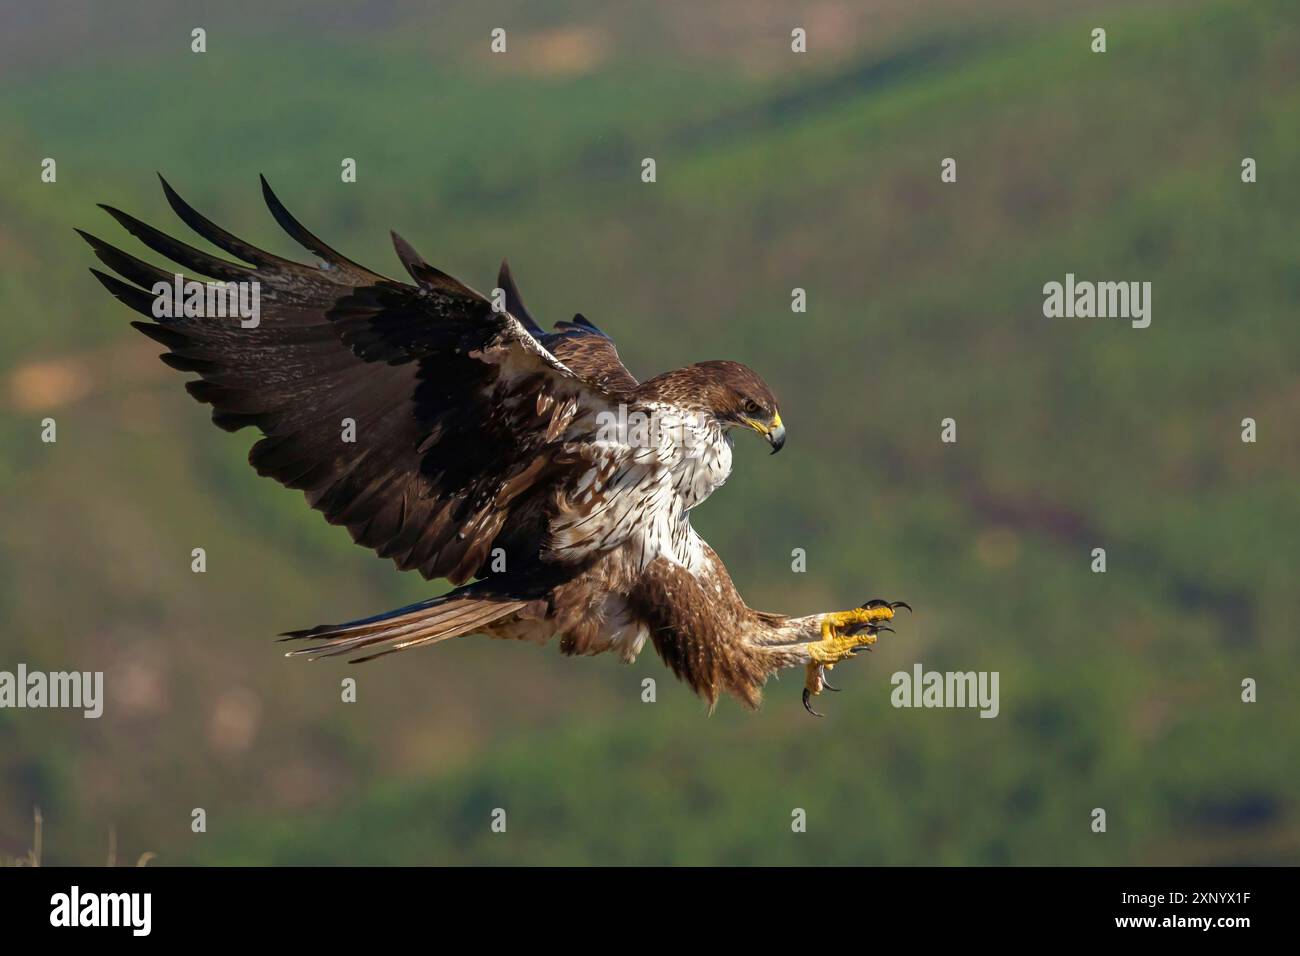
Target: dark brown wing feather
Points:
(591, 354)
(457, 409)
(584, 349)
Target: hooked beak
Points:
(774, 431)
(776, 435)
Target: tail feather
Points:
(374, 622)
(438, 619)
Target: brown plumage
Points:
(460, 439)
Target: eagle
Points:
(448, 431)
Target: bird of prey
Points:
(449, 432)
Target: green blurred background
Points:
(1118, 690)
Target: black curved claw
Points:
(877, 602)
(828, 686)
(872, 628)
(807, 703)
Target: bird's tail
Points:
(437, 619)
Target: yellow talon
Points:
(813, 678)
(834, 646)
(812, 686)
(859, 615)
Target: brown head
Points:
(730, 393)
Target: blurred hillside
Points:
(820, 171)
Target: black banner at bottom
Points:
(335, 905)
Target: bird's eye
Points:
(751, 407)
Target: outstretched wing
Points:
(457, 410)
(584, 349)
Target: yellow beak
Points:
(773, 431)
